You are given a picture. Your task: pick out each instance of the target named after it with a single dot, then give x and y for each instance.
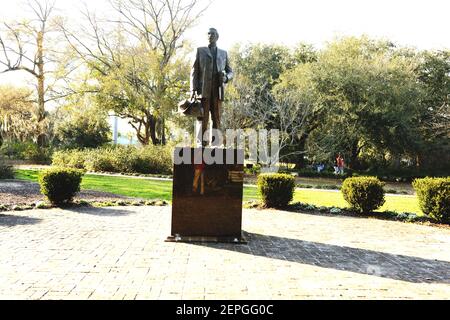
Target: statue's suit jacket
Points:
(202, 71)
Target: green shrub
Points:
(26, 151)
(276, 190)
(124, 159)
(118, 159)
(364, 194)
(6, 171)
(100, 160)
(60, 185)
(37, 154)
(75, 159)
(60, 158)
(83, 127)
(252, 169)
(14, 150)
(154, 160)
(434, 197)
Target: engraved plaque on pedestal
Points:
(207, 197)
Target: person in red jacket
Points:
(340, 163)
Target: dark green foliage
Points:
(14, 150)
(364, 194)
(60, 185)
(89, 129)
(276, 190)
(6, 171)
(26, 151)
(38, 154)
(387, 174)
(262, 64)
(434, 197)
(252, 169)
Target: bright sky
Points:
(419, 23)
(424, 24)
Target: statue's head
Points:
(213, 36)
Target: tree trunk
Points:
(143, 139)
(419, 160)
(354, 161)
(396, 161)
(152, 131)
(300, 162)
(149, 132)
(163, 131)
(41, 76)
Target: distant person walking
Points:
(320, 167)
(335, 166)
(340, 163)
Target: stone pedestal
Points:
(207, 198)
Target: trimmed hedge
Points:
(364, 194)
(434, 197)
(276, 190)
(60, 185)
(147, 160)
(74, 159)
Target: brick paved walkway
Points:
(120, 253)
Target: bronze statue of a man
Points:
(211, 71)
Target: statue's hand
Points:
(224, 77)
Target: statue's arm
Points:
(195, 74)
(228, 70)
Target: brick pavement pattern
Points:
(120, 253)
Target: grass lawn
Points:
(155, 189)
(335, 199)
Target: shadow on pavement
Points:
(7, 220)
(103, 212)
(362, 261)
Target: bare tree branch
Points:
(24, 48)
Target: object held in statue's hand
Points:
(191, 108)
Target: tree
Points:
(17, 114)
(365, 94)
(252, 109)
(25, 46)
(299, 83)
(253, 102)
(261, 65)
(140, 91)
(434, 120)
(81, 124)
(434, 75)
(139, 68)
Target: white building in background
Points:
(123, 133)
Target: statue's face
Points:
(213, 36)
